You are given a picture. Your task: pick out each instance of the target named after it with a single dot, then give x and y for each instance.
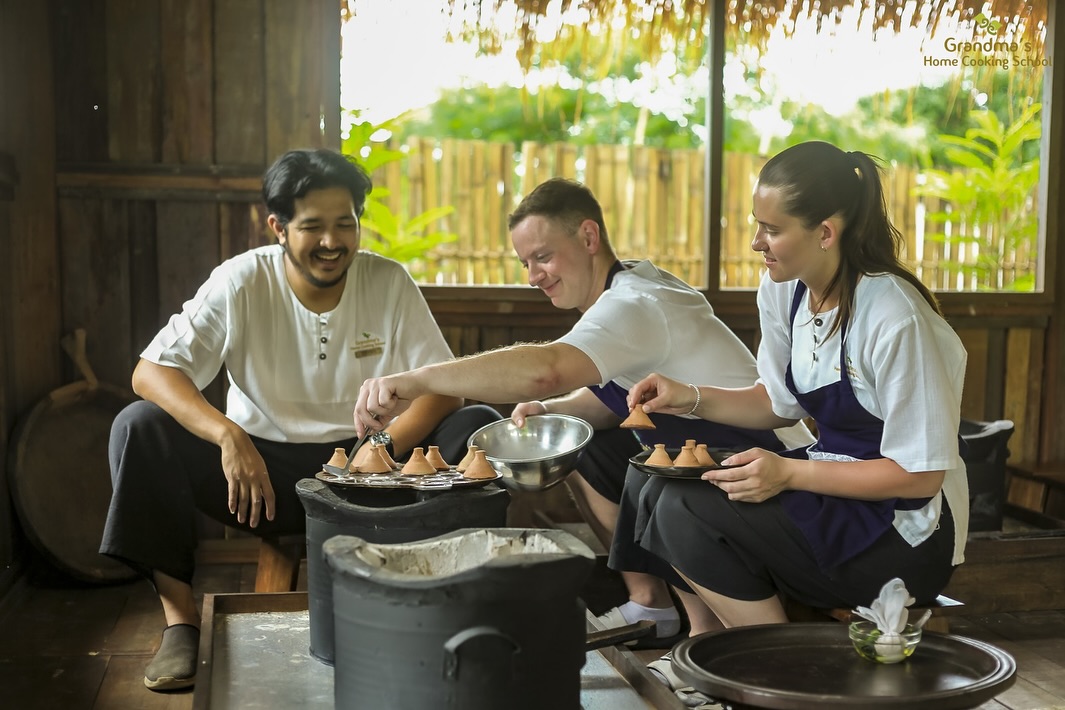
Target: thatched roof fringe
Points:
(685, 22)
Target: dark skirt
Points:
(605, 459)
(752, 551)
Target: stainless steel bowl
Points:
(536, 456)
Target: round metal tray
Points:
(439, 481)
(792, 666)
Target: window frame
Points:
(1033, 308)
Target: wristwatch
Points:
(384, 439)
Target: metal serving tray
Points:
(254, 654)
(439, 481)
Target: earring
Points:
(824, 248)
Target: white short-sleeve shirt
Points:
(906, 367)
(651, 321)
(294, 375)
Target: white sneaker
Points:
(667, 631)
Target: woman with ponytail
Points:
(852, 340)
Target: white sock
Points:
(667, 620)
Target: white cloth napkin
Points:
(889, 613)
(888, 610)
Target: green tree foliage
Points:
(575, 103)
(988, 193)
(932, 112)
(397, 237)
(552, 114)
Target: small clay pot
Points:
(703, 456)
(361, 456)
(374, 462)
(637, 419)
(383, 451)
(433, 456)
(479, 467)
(686, 457)
(338, 459)
(659, 457)
(417, 464)
(467, 459)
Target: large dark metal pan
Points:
(797, 666)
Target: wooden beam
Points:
(170, 179)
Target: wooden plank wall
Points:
(162, 138)
(140, 130)
(29, 287)
(7, 193)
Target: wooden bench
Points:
(941, 608)
(1036, 493)
(279, 563)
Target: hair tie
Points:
(856, 162)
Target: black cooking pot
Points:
(471, 620)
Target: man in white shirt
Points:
(298, 326)
(636, 319)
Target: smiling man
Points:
(636, 319)
(297, 327)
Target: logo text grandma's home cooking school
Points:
(988, 52)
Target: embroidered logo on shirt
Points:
(368, 346)
(852, 371)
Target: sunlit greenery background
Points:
(977, 135)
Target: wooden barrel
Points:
(61, 481)
(59, 474)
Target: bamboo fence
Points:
(654, 204)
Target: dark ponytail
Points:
(817, 180)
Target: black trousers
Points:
(751, 551)
(605, 460)
(162, 475)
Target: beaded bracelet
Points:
(698, 399)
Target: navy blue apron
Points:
(840, 528)
(673, 431)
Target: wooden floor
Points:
(84, 647)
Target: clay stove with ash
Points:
(381, 515)
(470, 620)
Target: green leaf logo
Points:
(987, 24)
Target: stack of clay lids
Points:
(637, 419)
(467, 459)
(417, 464)
(479, 467)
